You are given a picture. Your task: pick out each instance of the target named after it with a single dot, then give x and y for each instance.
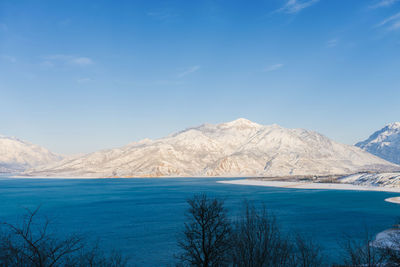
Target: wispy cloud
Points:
(295, 6)
(332, 43)
(273, 67)
(52, 60)
(383, 3)
(162, 14)
(84, 80)
(81, 61)
(395, 26)
(188, 71)
(391, 23)
(164, 83)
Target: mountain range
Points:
(384, 143)
(237, 148)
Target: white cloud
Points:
(390, 19)
(273, 67)
(383, 3)
(82, 61)
(164, 83)
(391, 23)
(162, 14)
(189, 71)
(332, 43)
(395, 26)
(84, 80)
(53, 60)
(295, 6)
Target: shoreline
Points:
(310, 185)
(395, 200)
(130, 177)
(307, 185)
(254, 182)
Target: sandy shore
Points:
(305, 185)
(393, 200)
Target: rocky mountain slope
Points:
(384, 143)
(17, 155)
(237, 148)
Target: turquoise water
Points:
(141, 217)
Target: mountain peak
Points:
(384, 143)
(394, 126)
(241, 122)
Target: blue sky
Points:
(78, 76)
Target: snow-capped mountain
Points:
(384, 143)
(17, 155)
(237, 148)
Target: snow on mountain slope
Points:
(276, 151)
(17, 155)
(373, 179)
(237, 148)
(384, 143)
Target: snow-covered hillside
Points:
(384, 143)
(373, 179)
(237, 148)
(17, 155)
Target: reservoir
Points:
(142, 217)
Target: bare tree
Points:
(258, 241)
(33, 244)
(95, 257)
(362, 253)
(205, 240)
(306, 253)
(390, 247)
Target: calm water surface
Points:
(141, 217)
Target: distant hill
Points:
(237, 148)
(17, 155)
(384, 143)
